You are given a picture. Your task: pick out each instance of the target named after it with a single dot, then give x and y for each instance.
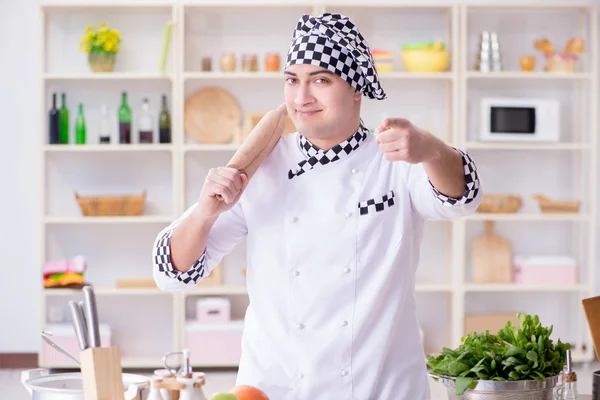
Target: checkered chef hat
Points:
(333, 42)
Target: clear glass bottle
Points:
(146, 131)
(103, 126)
(569, 389)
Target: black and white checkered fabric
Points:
(333, 42)
(162, 257)
(378, 204)
(315, 156)
(471, 180)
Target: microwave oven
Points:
(519, 119)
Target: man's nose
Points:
(303, 95)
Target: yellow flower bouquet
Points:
(102, 45)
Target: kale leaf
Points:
(524, 353)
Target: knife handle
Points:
(93, 326)
(78, 324)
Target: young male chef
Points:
(333, 221)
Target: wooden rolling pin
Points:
(260, 141)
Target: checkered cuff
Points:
(162, 258)
(471, 180)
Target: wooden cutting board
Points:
(591, 306)
(491, 257)
(212, 115)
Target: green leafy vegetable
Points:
(525, 353)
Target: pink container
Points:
(213, 310)
(214, 344)
(545, 271)
(64, 336)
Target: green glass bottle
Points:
(64, 121)
(80, 126)
(124, 120)
(164, 123)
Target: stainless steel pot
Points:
(42, 385)
(505, 390)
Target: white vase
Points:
(190, 393)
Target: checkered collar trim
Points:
(315, 156)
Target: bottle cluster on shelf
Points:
(59, 127)
(228, 62)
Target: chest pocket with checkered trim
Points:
(377, 204)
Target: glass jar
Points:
(272, 62)
(228, 62)
(249, 63)
(206, 64)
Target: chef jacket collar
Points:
(316, 156)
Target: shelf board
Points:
(217, 290)
(78, 148)
(527, 75)
(526, 146)
(279, 75)
(144, 219)
(108, 291)
(493, 287)
(210, 147)
(107, 76)
(126, 362)
(526, 217)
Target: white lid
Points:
(236, 325)
(69, 329)
(213, 302)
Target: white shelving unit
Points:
(147, 323)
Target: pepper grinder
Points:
(570, 381)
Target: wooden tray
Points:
(548, 205)
(212, 115)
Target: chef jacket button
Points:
(348, 215)
(346, 270)
(296, 273)
(354, 171)
(344, 323)
(344, 372)
(293, 220)
(299, 326)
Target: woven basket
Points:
(549, 206)
(97, 206)
(500, 203)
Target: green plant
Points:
(524, 353)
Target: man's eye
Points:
(322, 80)
(290, 80)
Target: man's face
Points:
(319, 102)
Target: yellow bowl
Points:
(383, 67)
(425, 60)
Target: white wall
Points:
(20, 176)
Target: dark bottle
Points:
(80, 131)
(54, 123)
(164, 123)
(64, 121)
(124, 120)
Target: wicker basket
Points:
(96, 206)
(549, 206)
(500, 203)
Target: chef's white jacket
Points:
(332, 247)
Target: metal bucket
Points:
(42, 385)
(507, 390)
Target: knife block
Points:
(102, 373)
